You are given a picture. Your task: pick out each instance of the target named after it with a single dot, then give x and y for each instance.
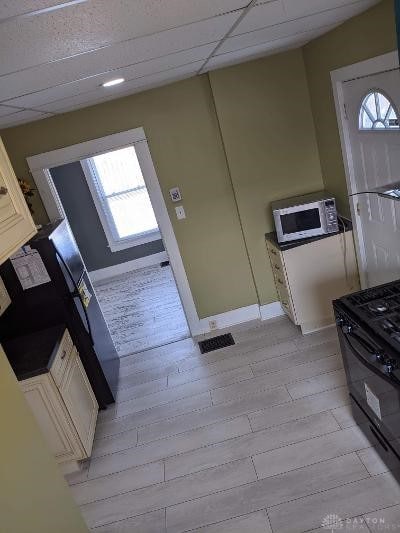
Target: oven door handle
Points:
(364, 361)
(364, 343)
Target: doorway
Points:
(133, 284)
(367, 100)
(107, 204)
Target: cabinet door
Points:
(16, 224)
(80, 401)
(53, 419)
(318, 273)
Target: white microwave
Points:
(305, 216)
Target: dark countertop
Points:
(301, 242)
(33, 354)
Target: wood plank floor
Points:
(257, 437)
(142, 309)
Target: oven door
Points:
(300, 222)
(374, 390)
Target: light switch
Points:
(180, 212)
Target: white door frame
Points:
(40, 164)
(375, 65)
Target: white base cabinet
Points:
(310, 276)
(64, 405)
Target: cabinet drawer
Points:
(61, 359)
(286, 301)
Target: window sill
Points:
(135, 241)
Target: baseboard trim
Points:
(228, 319)
(272, 310)
(128, 266)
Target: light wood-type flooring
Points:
(142, 309)
(254, 438)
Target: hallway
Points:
(142, 309)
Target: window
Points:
(120, 194)
(377, 113)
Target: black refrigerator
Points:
(67, 298)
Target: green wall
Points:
(270, 153)
(264, 110)
(182, 130)
(34, 497)
(368, 35)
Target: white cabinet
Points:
(80, 401)
(308, 277)
(64, 405)
(16, 224)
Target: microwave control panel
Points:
(331, 216)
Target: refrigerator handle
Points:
(76, 294)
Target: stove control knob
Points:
(347, 328)
(380, 357)
(339, 321)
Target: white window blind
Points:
(123, 197)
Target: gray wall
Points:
(79, 207)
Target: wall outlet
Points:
(212, 324)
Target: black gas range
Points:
(368, 325)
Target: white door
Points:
(372, 106)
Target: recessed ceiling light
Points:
(116, 81)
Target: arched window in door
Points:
(377, 113)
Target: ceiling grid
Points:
(57, 54)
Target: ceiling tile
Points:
(292, 28)
(124, 89)
(261, 16)
(126, 53)
(129, 73)
(301, 8)
(5, 110)
(87, 26)
(13, 8)
(21, 117)
(261, 50)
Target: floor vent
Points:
(164, 264)
(216, 343)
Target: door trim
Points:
(40, 164)
(376, 65)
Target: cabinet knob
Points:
(3, 191)
(64, 353)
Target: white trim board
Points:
(228, 319)
(127, 266)
(251, 313)
(375, 65)
(272, 310)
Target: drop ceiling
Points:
(55, 54)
